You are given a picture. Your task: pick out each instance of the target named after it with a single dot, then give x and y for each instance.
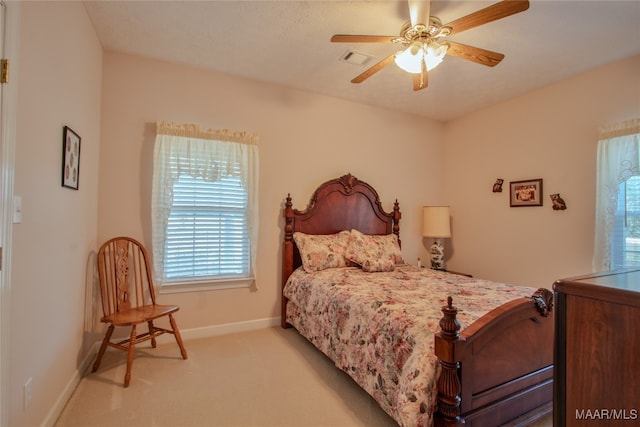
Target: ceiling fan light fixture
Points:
(410, 59)
(423, 44)
(435, 53)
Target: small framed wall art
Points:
(526, 193)
(70, 158)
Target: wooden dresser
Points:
(597, 350)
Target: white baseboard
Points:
(66, 393)
(187, 334)
(227, 328)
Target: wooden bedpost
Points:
(287, 256)
(543, 299)
(448, 348)
(396, 219)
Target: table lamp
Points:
(437, 226)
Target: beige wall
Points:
(551, 134)
(305, 139)
(59, 78)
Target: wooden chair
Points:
(128, 298)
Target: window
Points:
(204, 207)
(617, 231)
(207, 231)
(625, 236)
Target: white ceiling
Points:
(287, 42)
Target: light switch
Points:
(17, 209)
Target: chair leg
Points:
(132, 346)
(176, 334)
(152, 333)
(103, 347)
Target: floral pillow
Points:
(374, 252)
(319, 252)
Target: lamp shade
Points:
(410, 59)
(436, 222)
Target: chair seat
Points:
(137, 315)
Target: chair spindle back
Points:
(125, 275)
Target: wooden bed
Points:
(497, 370)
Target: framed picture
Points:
(526, 193)
(70, 158)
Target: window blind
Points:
(625, 236)
(207, 234)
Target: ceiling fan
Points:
(423, 40)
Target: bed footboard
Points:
(500, 368)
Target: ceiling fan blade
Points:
(421, 81)
(374, 69)
(419, 11)
(488, 14)
(354, 38)
(475, 54)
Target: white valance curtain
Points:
(210, 154)
(618, 160)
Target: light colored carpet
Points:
(270, 377)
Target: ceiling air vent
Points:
(355, 58)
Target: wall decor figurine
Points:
(557, 202)
(497, 187)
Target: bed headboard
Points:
(343, 203)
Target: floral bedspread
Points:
(379, 327)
